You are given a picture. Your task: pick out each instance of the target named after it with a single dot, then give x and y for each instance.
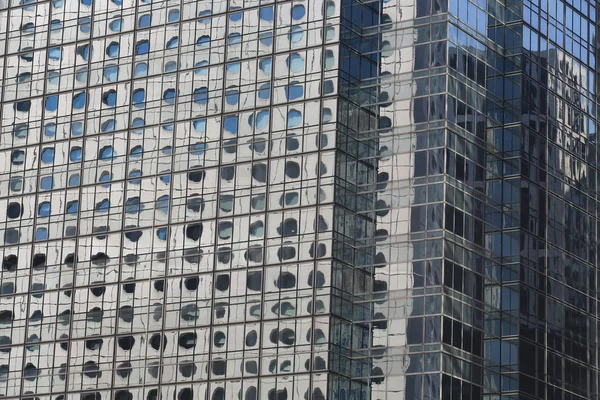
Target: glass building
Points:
(299, 200)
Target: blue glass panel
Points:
(136, 123)
(265, 65)
(162, 204)
(107, 153)
(168, 150)
(55, 25)
(203, 41)
(75, 154)
(197, 149)
(294, 118)
(58, 4)
(232, 96)
(135, 174)
(111, 73)
(202, 15)
(294, 91)
(17, 157)
(296, 34)
(138, 97)
(133, 206)
(112, 50)
(51, 103)
(266, 13)
(201, 96)
(73, 207)
(266, 38)
(84, 51)
(262, 119)
(200, 125)
(298, 11)
(105, 177)
(103, 206)
(166, 179)
(230, 123)
(108, 125)
(24, 77)
(55, 53)
(169, 96)
(265, 91)
(110, 98)
(236, 16)
(77, 128)
(201, 71)
(173, 16)
(115, 25)
(142, 47)
(170, 66)
(48, 155)
(47, 183)
(161, 233)
(22, 106)
(74, 180)
(44, 209)
(173, 42)
(136, 152)
(141, 69)
(53, 77)
(41, 234)
(145, 21)
(234, 38)
(27, 56)
(84, 25)
(79, 100)
(233, 68)
(81, 75)
(295, 63)
(20, 131)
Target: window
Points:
(110, 98)
(73, 207)
(22, 106)
(266, 13)
(18, 157)
(232, 96)
(145, 21)
(264, 92)
(75, 154)
(169, 96)
(48, 155)
(295, 63)
(173, 42)
(141, 69)
(77, 128)
(201, 96)
(298, 12)
(139, 96)
(173, 16)
(79, 100)
(50, 129)
(142, 47)
(103, 206)
(115, 25)
(111, 73)
(51, 103)
(106, 153)
(203, 41)
(46, 183)
(20, 131)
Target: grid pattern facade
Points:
(325, 199)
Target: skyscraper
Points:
(326, 199)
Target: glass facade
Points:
(325, 199)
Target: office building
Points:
(326, 199)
